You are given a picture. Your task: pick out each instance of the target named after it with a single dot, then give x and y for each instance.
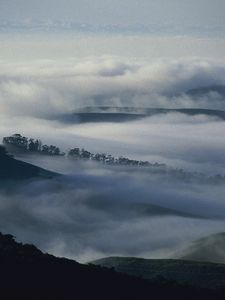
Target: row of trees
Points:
(78, 153)
(35, 146)
(31, 145)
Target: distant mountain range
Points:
(116, 114)
(126, 114)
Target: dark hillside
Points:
(198, 274)
(12, 169)
(27, 273)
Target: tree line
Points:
(31, 145)
(36, 146)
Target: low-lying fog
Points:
(35, 98)
(100, 211)
(94, 211)
(195, 143)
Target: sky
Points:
(204, 13)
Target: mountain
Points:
(205, 275)
(126, 114)
(27, 273)
(13, 169)
(210, 249)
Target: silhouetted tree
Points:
(17, 140)
(75, 153)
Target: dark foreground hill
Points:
(198, 274)
(27, 273)
(12, 169)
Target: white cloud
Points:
(87, 216)
(52, 89)
(99, 209)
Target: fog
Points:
(100, 211)
(37, 97)
(46, 90)
(93, 210)
(174, 139)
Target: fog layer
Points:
(100, 212)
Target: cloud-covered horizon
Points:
(202, 13)
(47, 89)
(41, 94)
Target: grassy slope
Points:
(193, 273)
(210, 248)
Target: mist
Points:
(92, 211)
(47, 90)
(97, 212)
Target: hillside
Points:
(184, 272)
(13, 169)
(27, 273)
(210, 248)
(125, 114)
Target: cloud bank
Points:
(49, 89)
(93, 211)
(105, 212)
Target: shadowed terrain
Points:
(12, 169)
(184, 272)
(126, 114)
(27, 273)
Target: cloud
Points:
(49, 89)
(96, 211)
(111, 212)
(35, 97)
(175, 139)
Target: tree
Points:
(75, 153)
(31, 145)
(17, 140)
(85, 154)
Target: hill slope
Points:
(184, 272)
(210, 248)
(27, 273)
(12, 169)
